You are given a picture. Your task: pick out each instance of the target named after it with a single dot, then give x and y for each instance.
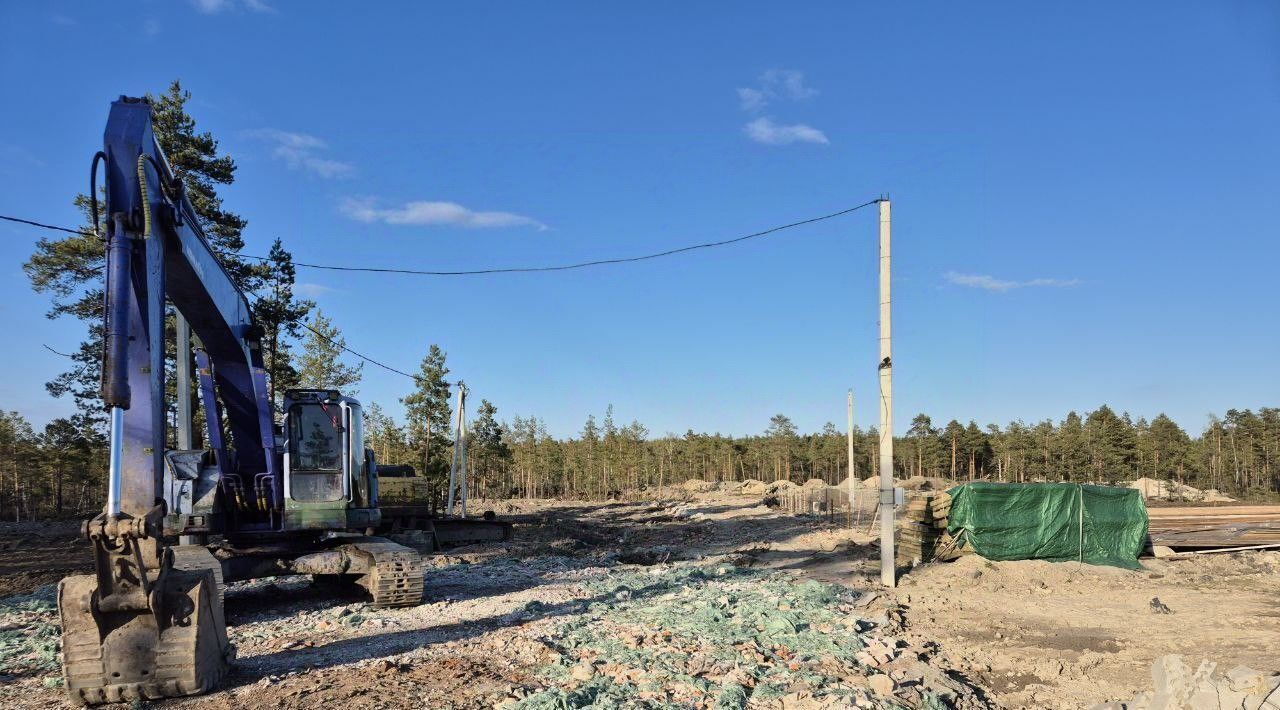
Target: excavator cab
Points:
(328, 483)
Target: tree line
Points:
(1237, 453)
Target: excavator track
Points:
(394, 578)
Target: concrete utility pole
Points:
(887, 571)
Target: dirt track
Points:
(1027, 634)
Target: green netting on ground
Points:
(29, 635)
(1100, 525)
(678, 637)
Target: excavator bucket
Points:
(135, 655)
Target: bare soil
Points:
(35, 554)
(1024, 634)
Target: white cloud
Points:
(210, 7)
(311, 290)
(764, 130)
(775, 85)
(778, 85)
(213, 7)
(433, 213)
(991, 283)
(752, 99)
(301, 151)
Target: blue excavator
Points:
(293, 493)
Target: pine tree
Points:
(67, 448)
(320, 364)
(1072, 447)
(591, 442)
(428, 413)
(280, 314)
(1112, 442)
(486, 444)
(782, 436)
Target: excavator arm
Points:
(143, 626)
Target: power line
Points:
(362, 356)
(518, 269)
(19, 220)
(586, 264)
(477, 272)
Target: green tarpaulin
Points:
(1100, 525)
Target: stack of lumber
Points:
(923, 527)
(1215, 528)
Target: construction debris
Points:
(731, 637)
(1176, 687)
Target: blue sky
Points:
(1085, 195)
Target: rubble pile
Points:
(726, 637)
(1177, 687)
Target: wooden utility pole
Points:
(887, 571)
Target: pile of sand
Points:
(1155, 489)
(697, 485)
(777, 486)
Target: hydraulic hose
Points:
(146, 201)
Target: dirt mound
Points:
(697, 485)
(1155, 489)
(814, 483)
(779, 486)
(754, 487)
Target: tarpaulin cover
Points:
(1100, 525)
